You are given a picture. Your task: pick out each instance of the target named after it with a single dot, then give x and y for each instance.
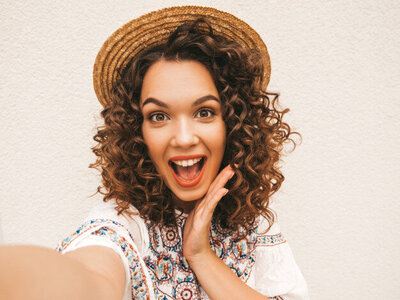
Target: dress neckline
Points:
(178, 213)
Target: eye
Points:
(157, 119)
(205, 115)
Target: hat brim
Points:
(154, 28)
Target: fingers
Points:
(214, 201)
(221, 179)
(217, 191)
(206, 207)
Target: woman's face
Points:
(183, 124)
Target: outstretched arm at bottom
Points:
(32, 272)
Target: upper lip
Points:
(186, 157)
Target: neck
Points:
(187, 206)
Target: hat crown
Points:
(154, 28)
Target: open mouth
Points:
(189, 175)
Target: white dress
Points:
(156, 269)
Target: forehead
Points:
(177, 80)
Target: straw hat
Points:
(154, 28)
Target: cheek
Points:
(152, 141)
(216, 137)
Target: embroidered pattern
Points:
(169, 271)
(239, 255)
(270, 240)
(186, 291)
(85, 227)
(140, 289)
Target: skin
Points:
(184, 130)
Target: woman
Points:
(188, 155)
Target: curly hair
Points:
(255, 132)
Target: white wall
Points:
(336, 64)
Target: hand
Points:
(196, 241)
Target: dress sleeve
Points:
(276, 273)
(111, 234)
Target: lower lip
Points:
(195, 181)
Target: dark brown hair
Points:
(255, 132)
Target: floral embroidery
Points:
(239, 255)
(140, 289)
(170, 273)
(170, 237)
(186, 291)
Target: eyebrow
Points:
(197, 102)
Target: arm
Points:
(219, 281)
(32, 272)
(216, 278)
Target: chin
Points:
(190, 195)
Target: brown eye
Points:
(206, 113)
(158, 117)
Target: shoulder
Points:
(267, 233)
(104, 226)
(276, 271)
(128, 222)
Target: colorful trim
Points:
(270, 240)
(85, 227)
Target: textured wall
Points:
(336, 65)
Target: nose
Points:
(184, 134)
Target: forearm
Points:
(32, 272)
(218, 280)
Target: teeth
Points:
(187, 163)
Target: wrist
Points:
(200, 258)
